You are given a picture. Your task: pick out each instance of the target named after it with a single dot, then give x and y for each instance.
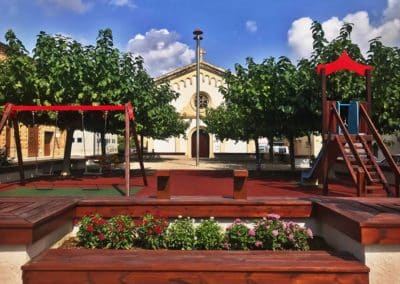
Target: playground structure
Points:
(348, 133)
(10, 113)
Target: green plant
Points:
(92, 231)
(120, 233)
(271, 233)
(181, 234)
(238, 236)
(151, 231)
(209, 235)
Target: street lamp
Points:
(197, 36)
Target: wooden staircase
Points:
(362, 160)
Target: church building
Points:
(183, 81)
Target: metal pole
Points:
(197, 36)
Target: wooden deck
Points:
(26, 220)
(197, 207)
(368, 221)
(110, 266)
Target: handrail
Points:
(380, 142)
(349, 141)
(378, 169)
(346, 160)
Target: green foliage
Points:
(238, 236)
(209, 235)
(120, 233)
(151, 231)
(92, 231)
(181, 234)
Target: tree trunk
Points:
(291, 153)
(141, 143)
(258, 158)
(66, 167)
(103, 143)
(271, 148)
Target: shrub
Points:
(181, 234)
(271, 233)
(209, 235)
(92, 231)
(120, 233)
(238, 236)
(151, 231)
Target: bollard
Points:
(240, 184)
(163, 189)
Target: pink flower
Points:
(258, 244)
(310, 233)
(237, 220)
(290, 237)
(284, 225)
(273, 216)
(227, 245)
(252, 232)
(275, 233)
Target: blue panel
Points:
(353, 117)
(338, 109)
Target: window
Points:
(203, 99)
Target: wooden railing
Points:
(382, 146)
(349, 141)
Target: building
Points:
(183, 81)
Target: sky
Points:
(161, 31)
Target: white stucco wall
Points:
(12, 257)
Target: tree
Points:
(385, 85)
(155, 117)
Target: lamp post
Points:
(197, 36)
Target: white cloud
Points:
(122, 3)
(393, 10)
(300, 36)
(251, 26)
(161, 51)
(79, 6)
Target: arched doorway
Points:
(204, 144)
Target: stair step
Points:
(374, 187)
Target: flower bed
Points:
(156, 232)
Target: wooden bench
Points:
(239, 184)
(146, 266)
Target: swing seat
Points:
(93, 167)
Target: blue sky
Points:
(161, 31)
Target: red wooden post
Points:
(240, 184)
(127, 153)
(163, 188)
(360, 182)
(19, 150)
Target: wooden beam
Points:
(127, 153)
(19, 150)
(240, 184)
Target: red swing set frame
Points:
(10, 111)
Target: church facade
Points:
(183, 81)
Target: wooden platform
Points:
(196, 207)
(26, 220)
(368, 221)
(110, 266)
